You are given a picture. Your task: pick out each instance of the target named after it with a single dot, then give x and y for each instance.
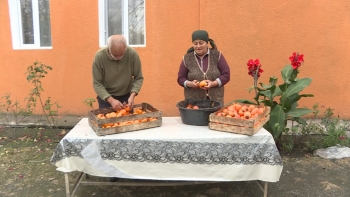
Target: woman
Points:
(202, 63)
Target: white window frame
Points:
(103, 34)
(16, 26)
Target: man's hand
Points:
(131, 100)
(116, 104)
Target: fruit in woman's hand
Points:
(202, 84)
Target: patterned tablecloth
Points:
(174, 151)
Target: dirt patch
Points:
(25, 170)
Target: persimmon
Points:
(244, 108)
(101, 116)
(254, 111)
(138, 111)
(202, 84)
(231, 108)
(231, 113)
(127, 108)
(251, 107)
(153, 119)
(260, 110)
(144, 120)
(246, 115)
(195, 107)
(189, 106)
(238, 107)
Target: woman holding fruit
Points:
(203, 71)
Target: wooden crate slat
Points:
(126, 128)
(151, 112)
(239, 126)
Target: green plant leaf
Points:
(244, 101)
(300, 120)
(273, 80)
(266, 93)
(297, 86)
(265, 86)
(29, 77)
(277, 121)
(287, 72)
(250, 89)
(306, 95)
(298, 112)
(283, 87)
(289, 101)
(277, 92)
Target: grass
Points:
(25, 167)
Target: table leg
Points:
(75, 187)
(67, 184)
(265, 190)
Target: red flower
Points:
(254, 66)
(296, 59)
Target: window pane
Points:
(44, 22)
(136, 22)
(115, 13)
(27, 21)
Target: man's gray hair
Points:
(116, 40)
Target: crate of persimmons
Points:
(239, 118)
(108, 121)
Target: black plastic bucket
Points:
(198, 117)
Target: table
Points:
(172, 152)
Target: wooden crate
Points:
(96, 123)
(239, 126)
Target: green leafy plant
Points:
(13, 108)
(89, 102)
(35, 73)
(283, 99)
(331, 131)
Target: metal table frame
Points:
(262, 184)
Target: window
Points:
(30, 24)
(125, 17)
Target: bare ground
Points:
(25, 170)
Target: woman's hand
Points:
(210, 84)
(192, 84)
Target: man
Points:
(117, 74)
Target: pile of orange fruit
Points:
(121, 112)
(118, 124)
(190, 106)
(124, 112)
(241, 111)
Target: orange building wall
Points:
(242, 30)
